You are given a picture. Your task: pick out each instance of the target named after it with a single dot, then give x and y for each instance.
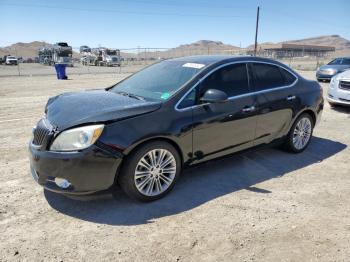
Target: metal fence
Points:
(139, 56)
(133, 59)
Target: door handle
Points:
(290, 98)
(248, 109)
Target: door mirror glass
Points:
(214, 96)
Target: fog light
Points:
(62, 183)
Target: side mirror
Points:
(214, 96)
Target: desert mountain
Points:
(200, 47)
(26, 50)
(337, 41)
(341, 45)
(205, 44)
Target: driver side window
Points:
(231, 79)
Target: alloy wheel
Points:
(302, 133)
(155, 172)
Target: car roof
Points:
(217, 59)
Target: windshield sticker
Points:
(193, 65)
(165, 96)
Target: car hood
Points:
(345, 74)
(336, 67)
(95, 106)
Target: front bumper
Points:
(338, 96)
(321, 76)
(338, 101)
(90, 170)
(113, 64)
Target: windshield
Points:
(111, 52)
(335, 62)
(11, 57)
(159, 81)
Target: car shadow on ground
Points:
(199, 185)
(342, 109)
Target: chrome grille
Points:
(42, 132)
(344, 85)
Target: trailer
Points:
(45, 55)
(62, 53)
(59, 53)
(100, 56)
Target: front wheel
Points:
(300, 134)
(332, 104)
(151, 171)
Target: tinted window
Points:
(346, 61)
(189, 100)
(267, 76)
(336, 61)
(232, 79)
(288, 77)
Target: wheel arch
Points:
(168, 140)
(309, 111)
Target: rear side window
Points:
(231, 79)
(288, 77)
(346, 61)
(267, 76)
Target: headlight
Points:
(334, 81)
(77, 138)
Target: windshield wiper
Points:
(131, 95)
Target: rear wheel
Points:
(300, 134)
(151, 171)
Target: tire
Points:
(295, 143)
(159, 182)
(332, 104)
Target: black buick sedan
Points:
(140, 133)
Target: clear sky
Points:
(168, 23)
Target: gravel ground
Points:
(78, 69)
(262, 205)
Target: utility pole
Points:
(256, 31)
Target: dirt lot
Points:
(264, 205)
(78, 69)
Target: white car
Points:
(339, 89)
(11, 60)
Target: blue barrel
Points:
(61, 71)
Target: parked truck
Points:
(59, 53)
(45, 55)
(10, 60)
(62, 53)
(100, 56)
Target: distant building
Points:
(285, 50)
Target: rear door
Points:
(223, 128)
(277, 100)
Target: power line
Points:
(189, 4)
(120, 11)
(319, 21)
